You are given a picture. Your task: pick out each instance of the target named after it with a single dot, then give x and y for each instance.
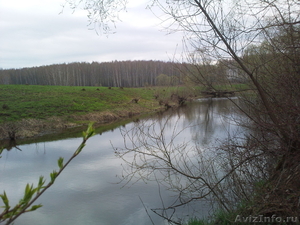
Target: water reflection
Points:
(88, 191)
(208, 119)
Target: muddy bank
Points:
(28, 128)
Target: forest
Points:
(109, 74)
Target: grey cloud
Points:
(39, 36)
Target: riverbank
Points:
(33, 110)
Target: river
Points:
(90, 190)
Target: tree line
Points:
(110, 74)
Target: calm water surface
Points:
(89, 190)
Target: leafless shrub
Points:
(221, 176)
(254, 42)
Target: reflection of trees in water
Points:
(211, 120)
(9, 144)
(160, 149)
(207, 119)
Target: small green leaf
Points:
(89, 132)
(79, 149)
(35, 207)
(40, 184)
(53, 176)
(29, 192)
(60, 162)
(5, 200)
(27, 189)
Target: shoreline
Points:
(31, 128)
(33, 110)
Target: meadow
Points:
(41, 102)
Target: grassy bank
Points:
(29, 110)
(40, 102)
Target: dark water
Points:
(89, 190)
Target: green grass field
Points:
(35, 101)
(41, 102)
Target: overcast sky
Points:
(34, 33)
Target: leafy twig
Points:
(33, 193)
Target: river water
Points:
(90, 190)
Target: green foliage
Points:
(89, 133)
(53, 176)
(60, 162)
(222, 217)
(5, 200)
(32, 193)
(41, 184)
(79, 149)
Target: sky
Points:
(36, 33)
